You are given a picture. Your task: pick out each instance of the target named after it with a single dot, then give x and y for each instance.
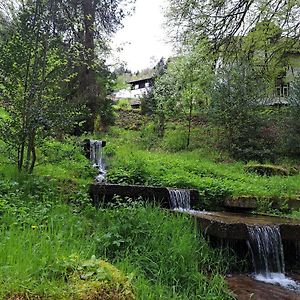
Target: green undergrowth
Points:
(58, 160)
(296, 214)
(211, 173)
(52, 250)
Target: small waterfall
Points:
(96, 158)
(180, 199)
(266, 249)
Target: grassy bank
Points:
(54, 245)
(203, 168)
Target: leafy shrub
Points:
(213, 193)
(175, 141)
(149, 137)
(64, 160)
(131, 171)
(110, 150)
(235, 107)
(123, 104)
(292, 121)
(54, 151)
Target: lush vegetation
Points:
(52, 241)
(213, 173)
(207, 125)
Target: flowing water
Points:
(96, 158)
(180, 199)
(266, 248)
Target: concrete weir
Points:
(104, 193)
(234, 226)
(232, 230)
(244, 203)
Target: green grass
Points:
(213, 174)
(161, 253)
(62, 160)
(43, 239)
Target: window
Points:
(282, 90)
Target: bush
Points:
(212, 194)
(175, 141)
(149, 137)
(292, 134)
(123, 104)
(129, 171)
(235, 107)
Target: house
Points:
(265, 46)
(143, 83)
(283, 83)
(137, 91)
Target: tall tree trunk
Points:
(33, 159)
(88, 84)
(28, 155)
(189, 123)
(21, 155)
(21, 151)
(161, 122)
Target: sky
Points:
(143, 37)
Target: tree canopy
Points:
(222, 20)
(52, 68)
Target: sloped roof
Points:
(139, 80)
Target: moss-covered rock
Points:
(270, 170)
(96, 279)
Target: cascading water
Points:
(266, 248)
(96, 158)
(180, 199)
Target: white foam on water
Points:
(279, 279)
(191, 211)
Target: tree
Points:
(185, 84)
(222, 21)
(292, 132)
(34, 76)
(237, 98)
(87, 25)
(264, 48)
(149, 103)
